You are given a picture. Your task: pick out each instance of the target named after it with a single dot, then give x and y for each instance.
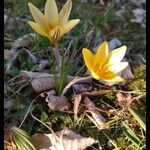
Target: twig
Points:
(14, 78)
(27, 112)
(20, 89)
(41, 122)
(77, 80)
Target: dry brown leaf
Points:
(24, 52)
(127, 73)
(42, 64)
(124, 99)
(87, 79)
(43, 81)
(96, 118)
(40, 81)
(25, 40)
(57, 103)
(140, 15)
(8, 54)
(77, 101)
(62, 140)
(80, 88)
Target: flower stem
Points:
(58, 58)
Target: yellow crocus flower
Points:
(51, 24)
(105, 65)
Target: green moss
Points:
(139, 73)
(138, 83)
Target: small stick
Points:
(77, 80)
(27, 112)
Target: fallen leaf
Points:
(57, 103)
(8, 54)
(87, 79)
(96, 118)
(62, 140)
(114, 43)
(80, 88)
(127, 73)
(123, 99)
(40, 81)
(77, 101)
(42, 64)
(25, 52)
(139, 16)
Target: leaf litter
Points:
(62, 140)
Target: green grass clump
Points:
(138, 83)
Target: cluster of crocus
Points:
(52, 24)
(104, 65)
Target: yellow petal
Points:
(116, 55)
(88, 58)
(106, 74)
(69, 25)
(51, 12)
(37, 15)
(118, 67)
(95, 76)
(55, 34)
(38, 28)
(65, 12)
(115, 79)
(101, 54)
(103, 75)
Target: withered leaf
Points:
(96, 118)
(80, 88)
(87, 79)
(124, 99)
(8, 54)
(57, 103)
(24, 41)
(77, 101)
(40, 81)
(127, 73)
(14, 57)
(42, 64)
(62, 140)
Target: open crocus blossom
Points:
(105, 65)
(51, 24)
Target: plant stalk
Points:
(57, 58)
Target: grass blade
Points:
(138, 118)
(132, 136)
